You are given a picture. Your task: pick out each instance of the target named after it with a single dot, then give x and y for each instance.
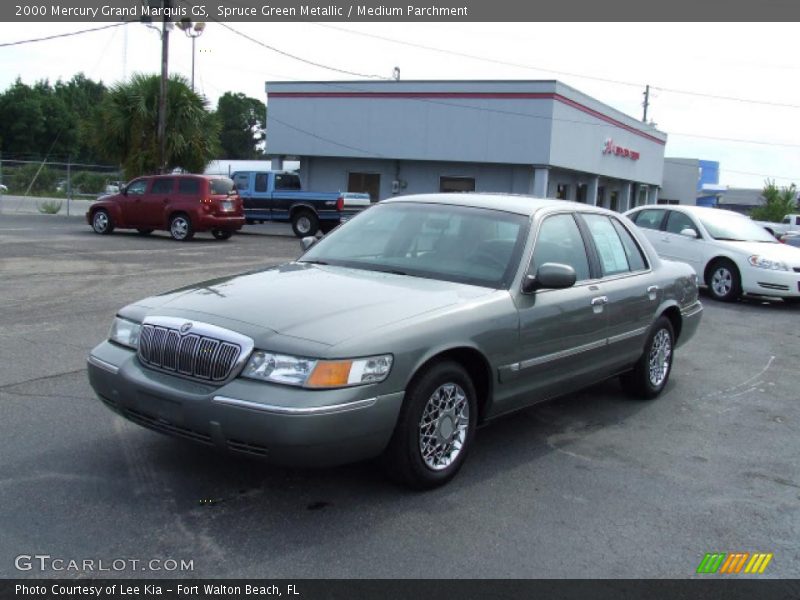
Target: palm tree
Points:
(128, 121)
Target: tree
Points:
(778, 202)
(128, 121)
(242, 126)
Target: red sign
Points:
(611, 148)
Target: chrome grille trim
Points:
(203, 352)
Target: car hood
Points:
(776, 251)
(323, 304)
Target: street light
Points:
(194, 31)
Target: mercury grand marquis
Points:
(401, 331)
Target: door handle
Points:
(598, 303)
(652, 291)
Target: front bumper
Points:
(765, 282)
(282, 424)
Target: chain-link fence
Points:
(28, 185)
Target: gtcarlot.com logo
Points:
(46, 562)
(732, 563)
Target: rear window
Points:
(221, 186)
(286, 181)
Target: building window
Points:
(456, 184)
(580, 192)
(562, 191)
(601, 195)
(365, 183)
(614, 201)
(666, 201)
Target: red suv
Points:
(180, 204)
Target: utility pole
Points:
(646, 102)
(162, 98)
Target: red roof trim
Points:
(475, 95)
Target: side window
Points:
(633, 251)
(261, 182)
(678, 221)
(560, 241)
(286, 181)
(241, 180)
(162, 186)
(137, 188)
(189, 186)
(649, 219)
(613, 258)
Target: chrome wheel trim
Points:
(179, 228)
(660, 357)
(722, 281)
(443, 426)
(100, 221)
(303, 224)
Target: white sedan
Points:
(730, 253)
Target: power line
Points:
(557, 72)
(63, 35)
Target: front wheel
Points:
(305, 223)
(650, 375)
(221, 234)
(723, 281)
(180, 228)
(102, 222)
(435, 427)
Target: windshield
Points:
(453, 243)
(735, 228)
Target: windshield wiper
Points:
(313, 262)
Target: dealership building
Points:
(388, 138)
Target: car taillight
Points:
(205, 201)
(340, 203)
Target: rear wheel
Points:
(180, 228)
(435, 427)
(102, 222)
(221, 234)
(650, 375)
(723, 280)
(305, 223)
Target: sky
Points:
(756, 65)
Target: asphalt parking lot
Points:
(591, 485)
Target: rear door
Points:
(651, 221)
(628, 285)
(156, 200)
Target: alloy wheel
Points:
(443, 426)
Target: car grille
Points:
(191, 355)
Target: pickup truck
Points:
(276, 196)
(789, 223)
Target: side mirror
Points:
(123, 189)
(689, 233)
(553, 276)
(307, 242)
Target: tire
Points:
(102, 222)
(327, 226)
(650, 375)
(143, 231)
(305, 223)
(723, 281)
(180, 228)
(222, 234)
(421, 426)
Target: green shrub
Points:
(50, 207)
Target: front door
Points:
(131, 204)
(680, 247)
(562, 332)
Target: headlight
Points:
(765, 263)
(125, 332)
(314, 373)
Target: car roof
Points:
(692, 210)
(513, 203)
